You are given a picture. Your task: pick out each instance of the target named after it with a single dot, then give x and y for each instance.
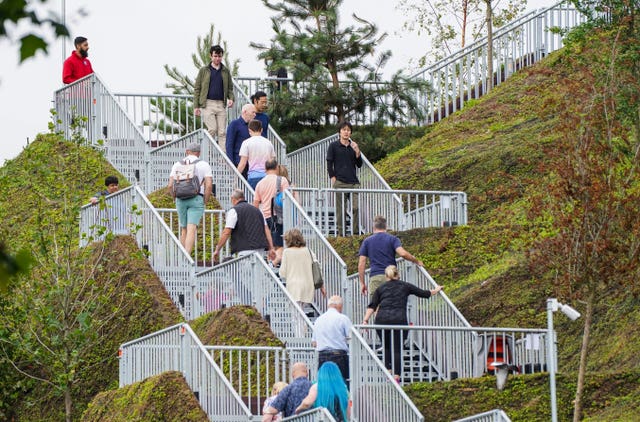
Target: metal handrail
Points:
(253, 370)
(436, 353)
(495, 415)
(403, 209)
(319, 414)
(308, 167)
(370, 380)
(226, 177)
(177, 348)
(333, 267)
(463, 75)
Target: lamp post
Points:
(552, 306)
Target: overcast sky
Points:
(131, 40)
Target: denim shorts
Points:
(190, 210)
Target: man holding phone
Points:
(343, 157)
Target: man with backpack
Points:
(266, 198)
(190, 185)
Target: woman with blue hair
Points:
(330, 392)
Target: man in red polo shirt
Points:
(77, 65)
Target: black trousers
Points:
(339, 357)
(392, 341)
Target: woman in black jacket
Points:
(390, 304)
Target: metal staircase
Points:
(141, 137)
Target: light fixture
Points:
(552, 306)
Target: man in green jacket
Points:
(212, 94)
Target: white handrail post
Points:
(195, 303)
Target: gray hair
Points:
(335, 300)
(237, 194)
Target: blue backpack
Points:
(277, 216)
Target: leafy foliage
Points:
(452, 24)
(62, 324)
(17, 12)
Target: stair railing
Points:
(440, 353)
(109, 127)
(495, 415)
(370, 115)
(252, 370)
(403, 209)
(438, 310)
(168, 258)
(226, 177)
(161, 118)
(248, 280)
(370, 381)
(308, 167)
(333, 267)
(463, 75)
(319, 414)
(177, 348)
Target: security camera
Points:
(571, 313)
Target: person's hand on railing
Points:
(436, 290)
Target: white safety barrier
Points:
(495, 415)
(177, 348)
(252, 370)
(464, 75)
(403, 209)
(375, 395)
(439, 353)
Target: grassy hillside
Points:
(77, 324)
(508, 151)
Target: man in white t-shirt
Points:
(266, 190)
(191, 210)
(255, 152)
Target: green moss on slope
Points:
(165, 397)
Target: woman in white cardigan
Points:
(295, 268)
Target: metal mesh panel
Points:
(308, 167)
(178, 349)
(464, 74)
(115, 216)
(374, 393)
(495, 415)
(225, 175)
(253, 370)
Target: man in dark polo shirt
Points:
(343, 156)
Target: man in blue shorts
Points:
(381, 249)
(190, 210)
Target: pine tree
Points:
(332, 78)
